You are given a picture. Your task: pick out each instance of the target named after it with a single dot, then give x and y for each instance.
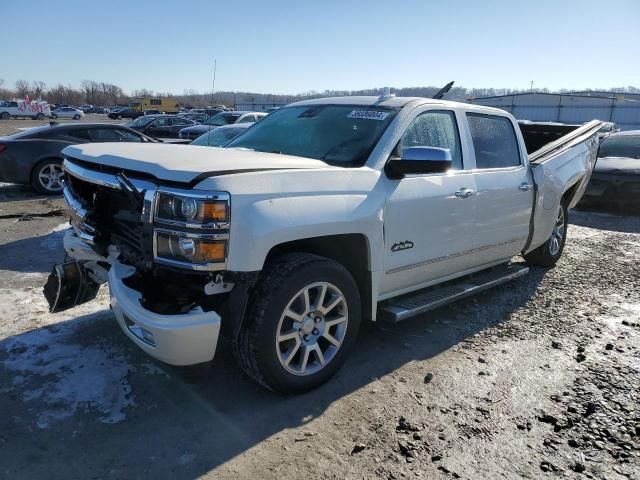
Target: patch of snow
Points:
(61, 227)
(68, 376)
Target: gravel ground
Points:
(539, 377)
(9, 127)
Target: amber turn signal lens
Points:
(207, 251)
(213, 211)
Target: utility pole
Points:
(213, 86)
(532, 85)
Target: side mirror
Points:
(420, 160)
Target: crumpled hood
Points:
(617, 166)
(185, 163)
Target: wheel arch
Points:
(351, 250)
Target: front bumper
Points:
(184, 339)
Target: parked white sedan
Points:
(67, 112)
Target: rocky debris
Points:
(357, 448)
(482, 360)
(608, 346)
(556, 344)
(428, 377)
(405, 426)
(581, 357)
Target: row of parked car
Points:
(34, 156)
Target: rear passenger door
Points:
(504, 188)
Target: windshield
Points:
(339, 134)
(217, 137)
(222, 119)
(141, 121)
(621, 146)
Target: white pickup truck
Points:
(325, 214)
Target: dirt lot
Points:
(537, 378)
(8, 127)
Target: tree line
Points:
(106, 94)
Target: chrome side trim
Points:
(452, 256)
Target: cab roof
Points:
(394, 102)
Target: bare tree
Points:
(22, 88)
(39, 88)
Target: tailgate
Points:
(557, 168)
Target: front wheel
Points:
(301, 323)
(40, 116)
(54, 116)
(5, 116)
(548, 254)
(76, 117)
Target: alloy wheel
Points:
(50, 177)
(557, 235)
(312, 328)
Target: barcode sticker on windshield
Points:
(368, 114)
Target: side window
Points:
(247, 119)
(81, 133)
(161, 122)
(435, 128)
(494, 141)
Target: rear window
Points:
(494, 141)
(621, 146)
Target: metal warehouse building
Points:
(621, 108)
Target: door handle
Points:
(525, 187)
(464, 193)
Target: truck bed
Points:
(561, 169)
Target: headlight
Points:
(199, 251)
(191, 208)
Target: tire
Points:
(280, 364)
(5, 116)
(51, 168)
(54, 116)
(548, 254)
(76, 117)
(40, 116)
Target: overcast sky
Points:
(297, 46)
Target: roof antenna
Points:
(386, 95)
(443, 91)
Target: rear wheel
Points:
(300, 325)
(54, 116)
(40, 116)
(548, 254)
(47, 176)
(76, 117)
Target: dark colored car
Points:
(220, 136)
(163, 126)
(34, 156)
(196, 117)
(125, 113)
(616, 177)
(96, 110)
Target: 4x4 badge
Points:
(406, 245)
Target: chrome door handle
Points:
(464, 193)
(525, 187)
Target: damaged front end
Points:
(162, 250)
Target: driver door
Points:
(429, 218)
